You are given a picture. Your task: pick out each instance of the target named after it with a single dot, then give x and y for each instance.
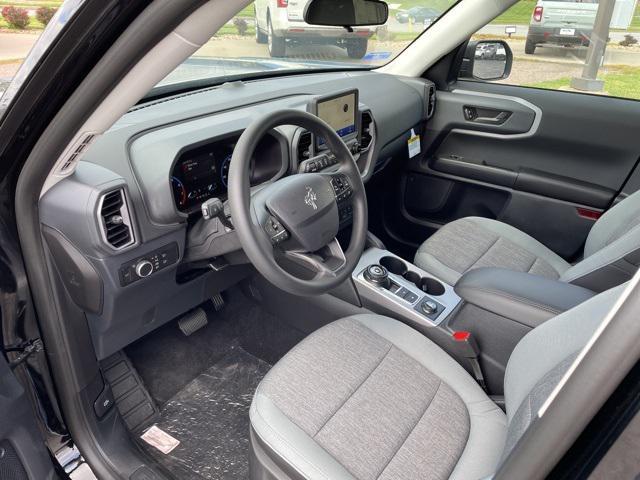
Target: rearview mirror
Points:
(487, 60)
(346, 13)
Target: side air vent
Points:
(115, 220)
(431, 100)
(69, 164)
(367, 130)
(304, 146)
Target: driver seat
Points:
(367, 397)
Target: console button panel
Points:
(148, 264)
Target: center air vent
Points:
(115, 220)
(304, 146)
(367, 130)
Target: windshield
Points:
(271, 36)
(27, 29)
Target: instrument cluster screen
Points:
(201, 174)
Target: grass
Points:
(34, 25)
(619, 81)
(520, 14)
(247, 11)
(31, 3)
(9, 61)
(232, 30)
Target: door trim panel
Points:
(533, 129)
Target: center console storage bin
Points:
(501, 306)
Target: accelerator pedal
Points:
(134, 403)
(218, 302)
(193, 321)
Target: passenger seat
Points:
(611, 252)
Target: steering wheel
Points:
(297, 216)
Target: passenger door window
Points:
(586, 46)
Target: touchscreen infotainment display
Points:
(339, 112)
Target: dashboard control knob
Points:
(144, 268)
(429, 307)
(377, 275)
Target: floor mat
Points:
(167, 360)
(210, 418)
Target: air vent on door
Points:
(431, 99)
(304, 146)
(367, 130)
(115, 220)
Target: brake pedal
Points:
(193, 321)
(218, 302)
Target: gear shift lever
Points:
(377, 275)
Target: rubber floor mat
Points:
(210, 418)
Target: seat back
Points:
(544, 355)
(612, 249)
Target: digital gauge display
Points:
(201, 174)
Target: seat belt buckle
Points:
(467, 347)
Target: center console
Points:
(494, 306)
(387, 283)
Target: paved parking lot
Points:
(547, 64)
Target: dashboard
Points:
(127, 212)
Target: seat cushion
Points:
(368, 397)
(475, 242)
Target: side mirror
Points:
(486, 60)
(346, 13)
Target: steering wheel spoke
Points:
(327, 262)
(275, 231)
(342, 188)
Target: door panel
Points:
(581, 137)
(556, 162)
(495, 115)
(23, 455)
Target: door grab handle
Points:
(489, 116)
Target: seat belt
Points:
(467, 347)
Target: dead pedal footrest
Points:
(132, 398)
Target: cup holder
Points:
(428, 285)
(394, 265)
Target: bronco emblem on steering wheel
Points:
(310, 198)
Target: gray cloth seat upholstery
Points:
(367, 397)
(611, 253)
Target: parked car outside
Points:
(280, 23)
(490, 51)
(561, 22)
(424, 15)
